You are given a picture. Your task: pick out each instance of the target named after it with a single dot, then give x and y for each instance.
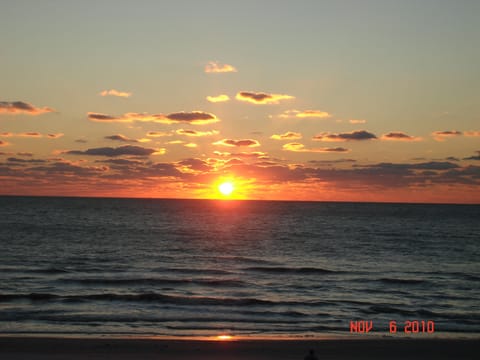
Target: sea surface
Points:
(150, 267)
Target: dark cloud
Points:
(193, 117)
(261, 98)
(354, 135)
(473, 157)
(243, 142)
(297, 147)
(442, 135)
(81, 141)
(3, 143)
(112, 152)
(120, 137)
(188, 132)
(397, 135)
(17, 160)
(195, 164)
(289, 135)
(20, 107)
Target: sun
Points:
(226, 188)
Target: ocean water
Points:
(245, 268)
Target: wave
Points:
(290, 270)
(156, 281)
(402, 281)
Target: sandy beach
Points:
(13, 348)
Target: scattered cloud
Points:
(120, 137)
(472, 133)
(289, 135)
(261, 98)
(158, 134)
(297, 147)
(55, 136)
(302, 114)
(113, 92)
(194, 117)
(357, 121)
(81, 141)
(442, 135)
(195, 164)
(31, 134)
(28, 154)
(20, 107)
(243, 142)
(190, 145)
(4, 143)
(216, 67)
(218, 98)
(354, 136)
(119, 151)
(399, 136)
(196, 133)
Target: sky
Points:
(287, 100)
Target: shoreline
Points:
(18, 347)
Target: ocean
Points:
(201, 268)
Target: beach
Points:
(13, 348)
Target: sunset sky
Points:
(308, 100)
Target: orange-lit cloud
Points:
(233, 143)
(119, 151)
(158, 134)
(399, 136)
(216, 67)
(20, 107)
(472, 133)
(31, 134)
(287, 136)
(196, 133)
(302, 114)
(474, 157)
(442, 135)
(219, 98)
(261, 98)
(113, 92)
(351, 136)
(4, 143)
(194, 117)
(297, 147)
(357, 121)
(190, 145)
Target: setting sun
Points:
(226, 188)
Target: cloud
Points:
(119, 151)
(218, 98)
(287, 136)
(158, 134)
(243, 142)
(302, 114)
(472, 133)
(194, 117)
(81, 141)
(17, 160)
(4, 143)
(113, 92)
(354, 135)
(261, 98)
(297, 147)
(357, 121)
(195, 164)
(248, 155)
(216, 67)
(474, 157)
(442, 135)
(120, 137)
(55, 136)
(31, 134)
(196, 133)
(20, 107)
(191, 145)
(399, 136)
